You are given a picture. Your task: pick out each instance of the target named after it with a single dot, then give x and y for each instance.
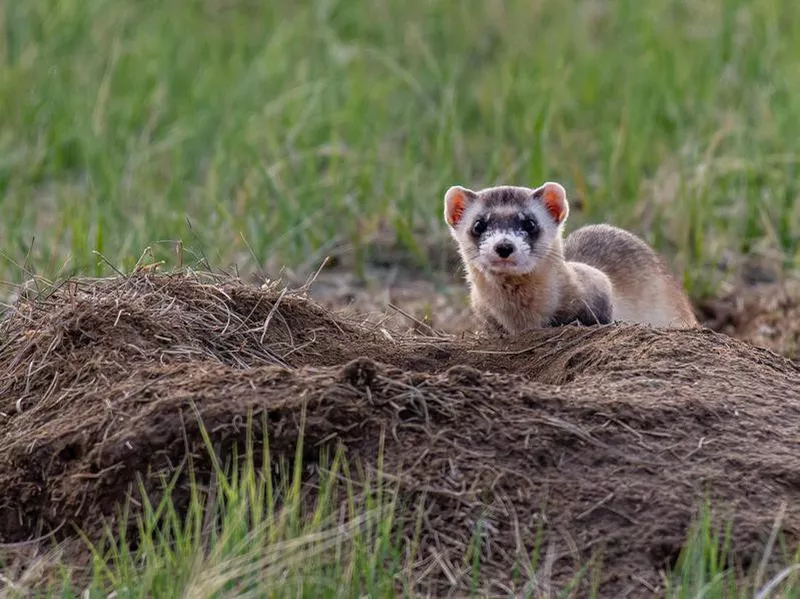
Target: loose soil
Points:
(607, 438)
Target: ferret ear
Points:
(554, 198)
(456, 201)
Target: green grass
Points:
(267, 133)
(247, 535)
(250, 535)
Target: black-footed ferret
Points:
(522, 275)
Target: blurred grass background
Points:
(269, 133)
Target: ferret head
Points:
(506, 230)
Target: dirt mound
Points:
(766, 314)
(607, 437)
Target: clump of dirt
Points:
(766, 314)
(606, 437)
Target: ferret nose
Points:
(504, 249)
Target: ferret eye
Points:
(529, 225)
(479, 227)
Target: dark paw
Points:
(493, 328)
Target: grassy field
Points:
(270, 133)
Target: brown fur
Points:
(557, 292)
(644, 288)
